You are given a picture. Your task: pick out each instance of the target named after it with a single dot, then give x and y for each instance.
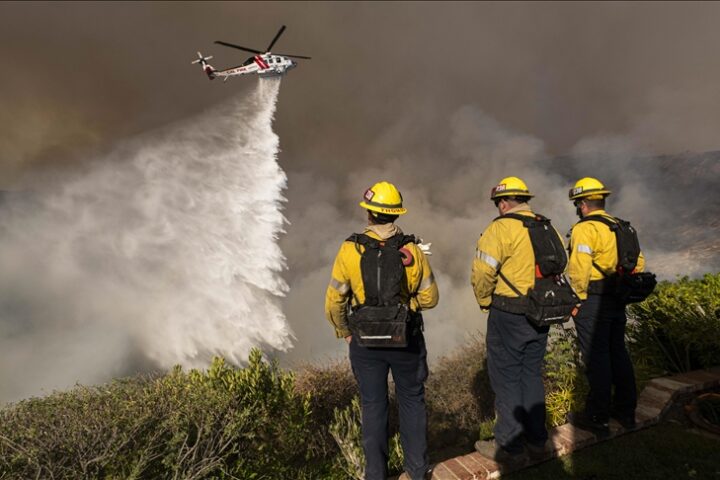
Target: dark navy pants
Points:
(515, 352)
(600, 326)
(409, 371)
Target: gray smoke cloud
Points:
(447, 192)
(443, 99)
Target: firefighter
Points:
(601, 321)
(515, 347)
(417, 291)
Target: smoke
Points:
(164, 252)
(441, 98)
(445, 167)
(445, 188)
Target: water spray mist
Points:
(165, 252)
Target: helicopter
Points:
(263, 64)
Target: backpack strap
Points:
(526, 223)
(396, 241)
(539, 223)
(611, 222)
(509, 284)
(364, 240)
(399, 240)
(526, 219)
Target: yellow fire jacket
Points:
(346, 285)
(593, 242)
(505, 244)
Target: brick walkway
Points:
(654, 401)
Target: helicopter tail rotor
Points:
(207, 68)
(201, 59)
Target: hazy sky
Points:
(81, 75)
(441, 98)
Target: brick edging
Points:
(655, 400)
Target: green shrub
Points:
(565, 384)
(485, 432)
(676, 328)
(261, 422)
(328, 387)
(345, 429)
(78, 434)
(459, 397)
(224, 423)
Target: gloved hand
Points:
(425, 247)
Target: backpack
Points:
(383, 320)
(551, 300)
(626, 286)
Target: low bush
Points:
(328, 387)
(88, 432)
(223, 423)
(565, 383)
(676, 328)
(262, 422)
(345, 429)
(459, 397)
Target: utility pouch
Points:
(635, 287)
(551, 301)
(380, 326)
(605, 286)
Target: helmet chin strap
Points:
(578, 211)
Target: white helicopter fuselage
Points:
(265, 65)
(262, 64)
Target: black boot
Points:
(589, 422)
(627, 421)
(493, 451)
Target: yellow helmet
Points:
(383, 197)
(510, 187)
(589, 188)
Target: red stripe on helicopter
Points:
(261, 62)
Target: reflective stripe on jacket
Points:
(505, 244)
(593, 242)
(420, 291)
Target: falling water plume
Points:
(165, 252)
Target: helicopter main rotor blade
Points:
(232, 45)
(293, 56)
(280, 32)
